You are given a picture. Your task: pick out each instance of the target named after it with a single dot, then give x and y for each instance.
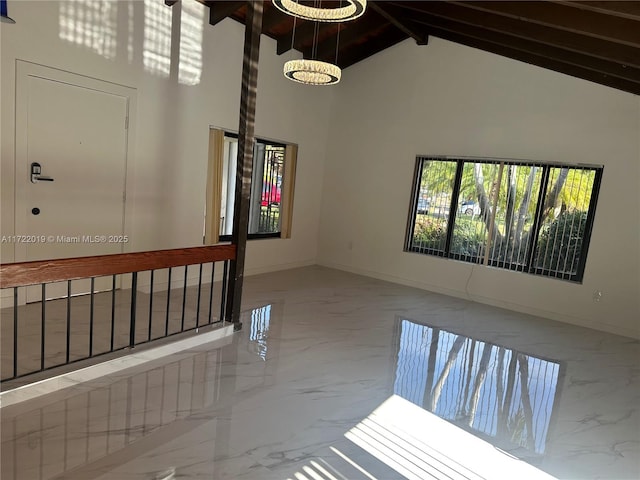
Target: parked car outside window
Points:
(470, 207)
(271, 194)
(423, 206)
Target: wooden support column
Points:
(253, 27)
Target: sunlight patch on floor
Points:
(419, 445)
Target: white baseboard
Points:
(281, 266)
(578, 321)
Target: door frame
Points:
(25, 69)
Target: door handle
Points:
(36, 170)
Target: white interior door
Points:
(73, 131)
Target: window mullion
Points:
(535, 233)
(255, 194)
(411, 220)
(568, 260)
(586, 237)
(453, 209)
(494, 208)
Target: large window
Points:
(529, 217)
(271, 197)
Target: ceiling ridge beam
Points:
(602, 49)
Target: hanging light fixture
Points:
(313, 71)
(4, 16)
(353, 10)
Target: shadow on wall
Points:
(110, 30)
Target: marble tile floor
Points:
(340, 376)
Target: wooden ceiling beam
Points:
(604, 50)
(626, 9)
(529, 46)
(420, 37)
(570, 19)
(220, 10)
(533, 59)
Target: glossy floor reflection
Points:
(494, 392)
(339, 376)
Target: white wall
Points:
(447, 99)
(171, 139)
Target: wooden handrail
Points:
(45, 271)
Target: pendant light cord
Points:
(338, 39)
(337, 43)
(293, 32)
(316, 32)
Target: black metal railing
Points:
(68, 310)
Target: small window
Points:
(528, 217)
(271, 198)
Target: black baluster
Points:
(42, 326)
(15, 332)
(91, 310)
(113, 310)
(213, 271)
(150, 306)
(199, 294)
(132, 323)
(68, 320)
(184, 297)
(166, 325)
(223, 299)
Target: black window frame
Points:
(530, 266)
(255, 236)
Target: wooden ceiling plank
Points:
(420, 37)
(219, 10)
(574, 71)
(529, 46)
(584, 22)
(350, 34)
(350, 56)
(272, 17)
(626, 9)
(604, 50)
(304, 33)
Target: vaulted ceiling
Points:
(593, 40)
